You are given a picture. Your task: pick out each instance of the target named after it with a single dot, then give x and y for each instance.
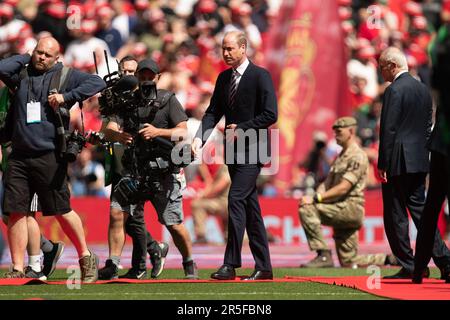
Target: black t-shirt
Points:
(169, 115)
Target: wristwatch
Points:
(317, 197)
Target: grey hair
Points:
(394, 55)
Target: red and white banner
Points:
(306, 57)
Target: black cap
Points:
(148, 64)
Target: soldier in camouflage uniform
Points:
(339, 203)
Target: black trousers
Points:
(143, 241)
(402, 193)
(245, 213)
(427, 231)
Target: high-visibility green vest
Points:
(4, 106)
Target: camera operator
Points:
(35, 164)
(133, 215)
(160, 117)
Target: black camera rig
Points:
(76, 141)
(145, 162)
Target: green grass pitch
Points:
(201, 291)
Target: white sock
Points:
(35, 262)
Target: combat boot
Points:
(323, 260)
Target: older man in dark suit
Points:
(403, 160)
(246, 96)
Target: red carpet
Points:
(28, 281)
(430, 289)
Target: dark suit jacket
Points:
(405, 127)
(255, 107)
(439, 136)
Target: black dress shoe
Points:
(402, 274)
(224, 273)
(418, 276)
(260, 275)
(405, 274)
(445, 273)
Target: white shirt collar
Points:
(243, 66)
(399, 74)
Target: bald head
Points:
(391, 62)
(45, 54)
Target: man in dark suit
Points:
(246, 96)
(437, 192)
(438, 188)
(403, 160)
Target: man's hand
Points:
(149, 132)
(306, 200)
(124, 138)
(55, 100)
(230, 133)
(382, 175)
(195, 147)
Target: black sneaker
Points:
(109, 272)
(51, 258)
(30, 273)
(134, 274)
(158, 259)
(190, 270)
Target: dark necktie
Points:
(233, 87)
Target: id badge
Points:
(33, 112)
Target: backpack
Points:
(58, 84)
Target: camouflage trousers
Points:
(202, 207)
(346, 218)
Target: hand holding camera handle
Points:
(94, 137)
(55, 99)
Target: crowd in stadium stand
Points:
(184, 37)
(369, 28)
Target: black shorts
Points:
(34, 205)
(43, 175)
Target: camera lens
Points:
(72, 151)
(148, 89)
